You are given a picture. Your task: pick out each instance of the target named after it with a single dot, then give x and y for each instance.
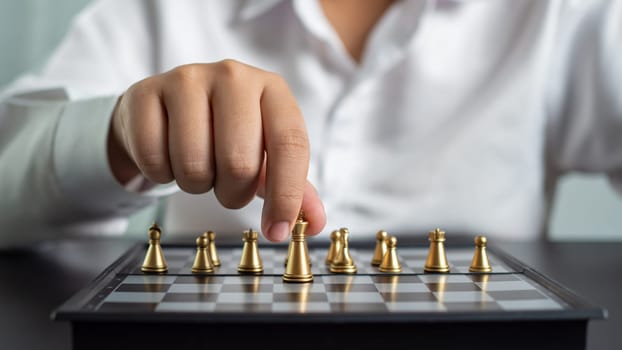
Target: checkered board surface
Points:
(368, 291)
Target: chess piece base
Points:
(202, 270)
(436, 269)
(255, 271)
(381, 269)
(477, 269)
(297, 279)
(154, 269)
(342, 269)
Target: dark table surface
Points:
(37, 280)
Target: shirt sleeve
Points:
(585, 98)
(55, 178)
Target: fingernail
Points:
(279, 231)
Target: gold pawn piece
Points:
(298, 268)
(343, 262)
(202, 261)
(390, 262)
(250, 262)
(213, 254)
(381, 248)
(154, 259)
(480, 261)
(335, 244)
(437, 259)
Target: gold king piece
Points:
(250, 261)
(298, 268)
(154, 259)
(437, 259)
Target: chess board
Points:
(512, 301)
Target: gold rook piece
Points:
(381, 248)
(213, 254)
(298, 268)
(480, 261)
(437, 259)
(335, 244)
(202, 261)
(343, 262)
(250, 262)
(390, 262)
(154, 259)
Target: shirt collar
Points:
(254, 8)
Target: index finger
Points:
(287, 159)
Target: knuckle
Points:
(232, 70)
(155, 167)
(286, 197)
(186, 75)
(240, 168)
(141, 90)
(276, 80)
(193, 175)
(293, 143)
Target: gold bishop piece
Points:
(437, 259)
(335, 244)
(154, 259)
(381, 248)
(390, 262)
(343, 262)
(480, 261)
(202, 261)
(298, 268)
(250, 261)
(213, 254)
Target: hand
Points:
(227, 126)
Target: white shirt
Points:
(461, 114)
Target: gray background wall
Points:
(585, 206)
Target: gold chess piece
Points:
(390, 262)
(290, 247)
(213, 254)
(202, 261)
(381, 248)
(437, 259)
(335, 245)
(298, 268)
(480, 261)
(343, 262)
(154, 259)
(250, 262)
